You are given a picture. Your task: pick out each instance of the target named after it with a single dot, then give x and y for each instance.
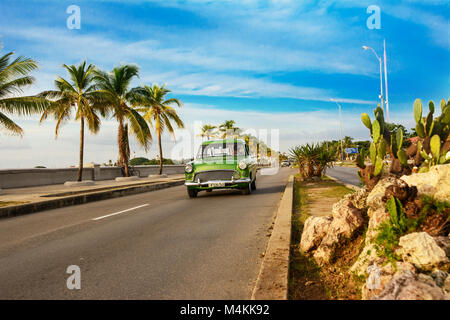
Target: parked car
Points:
(285, 163)
(221, 164)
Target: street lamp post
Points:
(340, 118)
(381, 74)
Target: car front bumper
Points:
(225, 183)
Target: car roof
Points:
(222, 141)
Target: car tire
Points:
(192, 193)
(247, 189)
(254, 184)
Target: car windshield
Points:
(221, 150)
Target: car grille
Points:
(216, 175)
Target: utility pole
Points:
(340, 120)
(381, 74)
(386, 81)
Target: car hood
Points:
(216, 163)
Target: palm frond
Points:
(139, 128)
(9, 125)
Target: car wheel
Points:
(254, 184)
(247, 189)
(192, 193)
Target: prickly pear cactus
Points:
(432, 148)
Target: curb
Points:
(272, 281)
(22, 209)
(350, 186)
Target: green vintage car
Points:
(221, 164)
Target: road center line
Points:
(116, 213)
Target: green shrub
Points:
(390, 231)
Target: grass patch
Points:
(304, 273)
(10, 203)
(307, 280)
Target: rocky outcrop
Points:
(383, 275)
(375, 197)
(434, 183)
(314, 231)
(409, 286)
(347, 219)
(422, 251)
(358, 198)
(367, 257)
(377, 217)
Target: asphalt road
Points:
(344, 174)
(156, 245)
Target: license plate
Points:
(216, 184)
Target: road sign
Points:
(351, 150)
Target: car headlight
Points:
(188, 168)
(242, 165)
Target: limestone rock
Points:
(375, 197)
(347, 219)
(435, 183)
(385, 275)
(409, 286)
(444, 243)
(422, 251)
(358, 198)
(446, 285)
(314, 231)
(377, 217)
(367, 257)
(439, 277)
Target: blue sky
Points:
(266, 64)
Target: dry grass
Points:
(9, 203)
(307, 281)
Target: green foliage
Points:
(360, 159)
(138, 161)
(390, 231)
(313, 158)
(437, 156)
(376, 131)
(391, 138)
(401, 154)
(366, 121)
(398, 225)
(435, 145)
(146, 162)
(418, 110)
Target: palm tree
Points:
(227, 127)
(14, 76)
(207, 131)
(78, 94)
(114, 88)
(151, 101)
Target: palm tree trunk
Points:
(122, 140)
(160, 153)
(80, 167)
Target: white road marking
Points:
(116, 213)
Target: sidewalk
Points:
(19, 201)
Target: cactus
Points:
(378, 166)
(360, 160)
(434, 132)
(397, 217)
(376, 131)
(401, 154)
(432, 148)
(435, 145)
